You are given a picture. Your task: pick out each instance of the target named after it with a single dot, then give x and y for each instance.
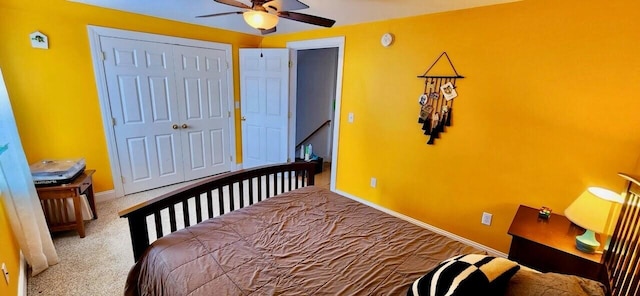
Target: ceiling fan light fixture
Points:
(260, 20)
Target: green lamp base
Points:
(606, 246)
(587, 242)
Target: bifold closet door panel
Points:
(203, 96)
(142, 96)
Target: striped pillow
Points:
(466, 275)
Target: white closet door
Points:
(203, 95)
(141, 86)
(264, 89)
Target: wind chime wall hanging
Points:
(436, 101)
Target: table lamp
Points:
(595, 210)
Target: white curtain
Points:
(20, 197)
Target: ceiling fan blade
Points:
(293, 5)
(233, 3)
(285, 5)
(305, 18)
(219, 14)
(268, 31)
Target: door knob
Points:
(175, 126)
(184, 125)
(243, 118)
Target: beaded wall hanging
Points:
(436, 101)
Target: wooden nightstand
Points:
(548, 245)
(53, 201)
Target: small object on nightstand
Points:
(544, 213)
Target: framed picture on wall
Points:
(422, 99)
(448, 91)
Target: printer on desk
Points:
(56, 172)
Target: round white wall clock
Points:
(386, 40)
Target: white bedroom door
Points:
(264, 90)
(203, 97)
(170, 109)
(141, 86)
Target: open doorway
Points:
(316, 88)
(315, 105)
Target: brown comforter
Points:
(306, 242)
(528, 283)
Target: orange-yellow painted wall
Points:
(548, 107)
(9, 253)
(53, 92)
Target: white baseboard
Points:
(22, 276)
(105, 195)
(491, 251)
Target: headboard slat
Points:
(221, 200)
(232, 205)
(268, 185)
(158, 222)
(185, 212)
(622, 259)
(622, 244)
(251, 191)
(172, 218)
(283, 183)
(631, 258)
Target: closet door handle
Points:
(184, 125)
(175, 126)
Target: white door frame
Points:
(95, 33)
(316, 44)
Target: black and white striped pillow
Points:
(466, 275)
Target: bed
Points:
(269, 231)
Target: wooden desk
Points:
(548, 245)
(53, 201)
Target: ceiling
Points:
(345, 12)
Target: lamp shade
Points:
(596, 209)
(260, 20)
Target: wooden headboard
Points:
(622, 260)
(208, 197)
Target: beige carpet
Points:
(98, 263)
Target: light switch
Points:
(486, 218)
(350, 117)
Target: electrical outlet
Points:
(374, 182)
(486, 218)
(5, 272)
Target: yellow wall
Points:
(9, 254)
(53, 91)
(548, 107)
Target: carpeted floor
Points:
(98, 263)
